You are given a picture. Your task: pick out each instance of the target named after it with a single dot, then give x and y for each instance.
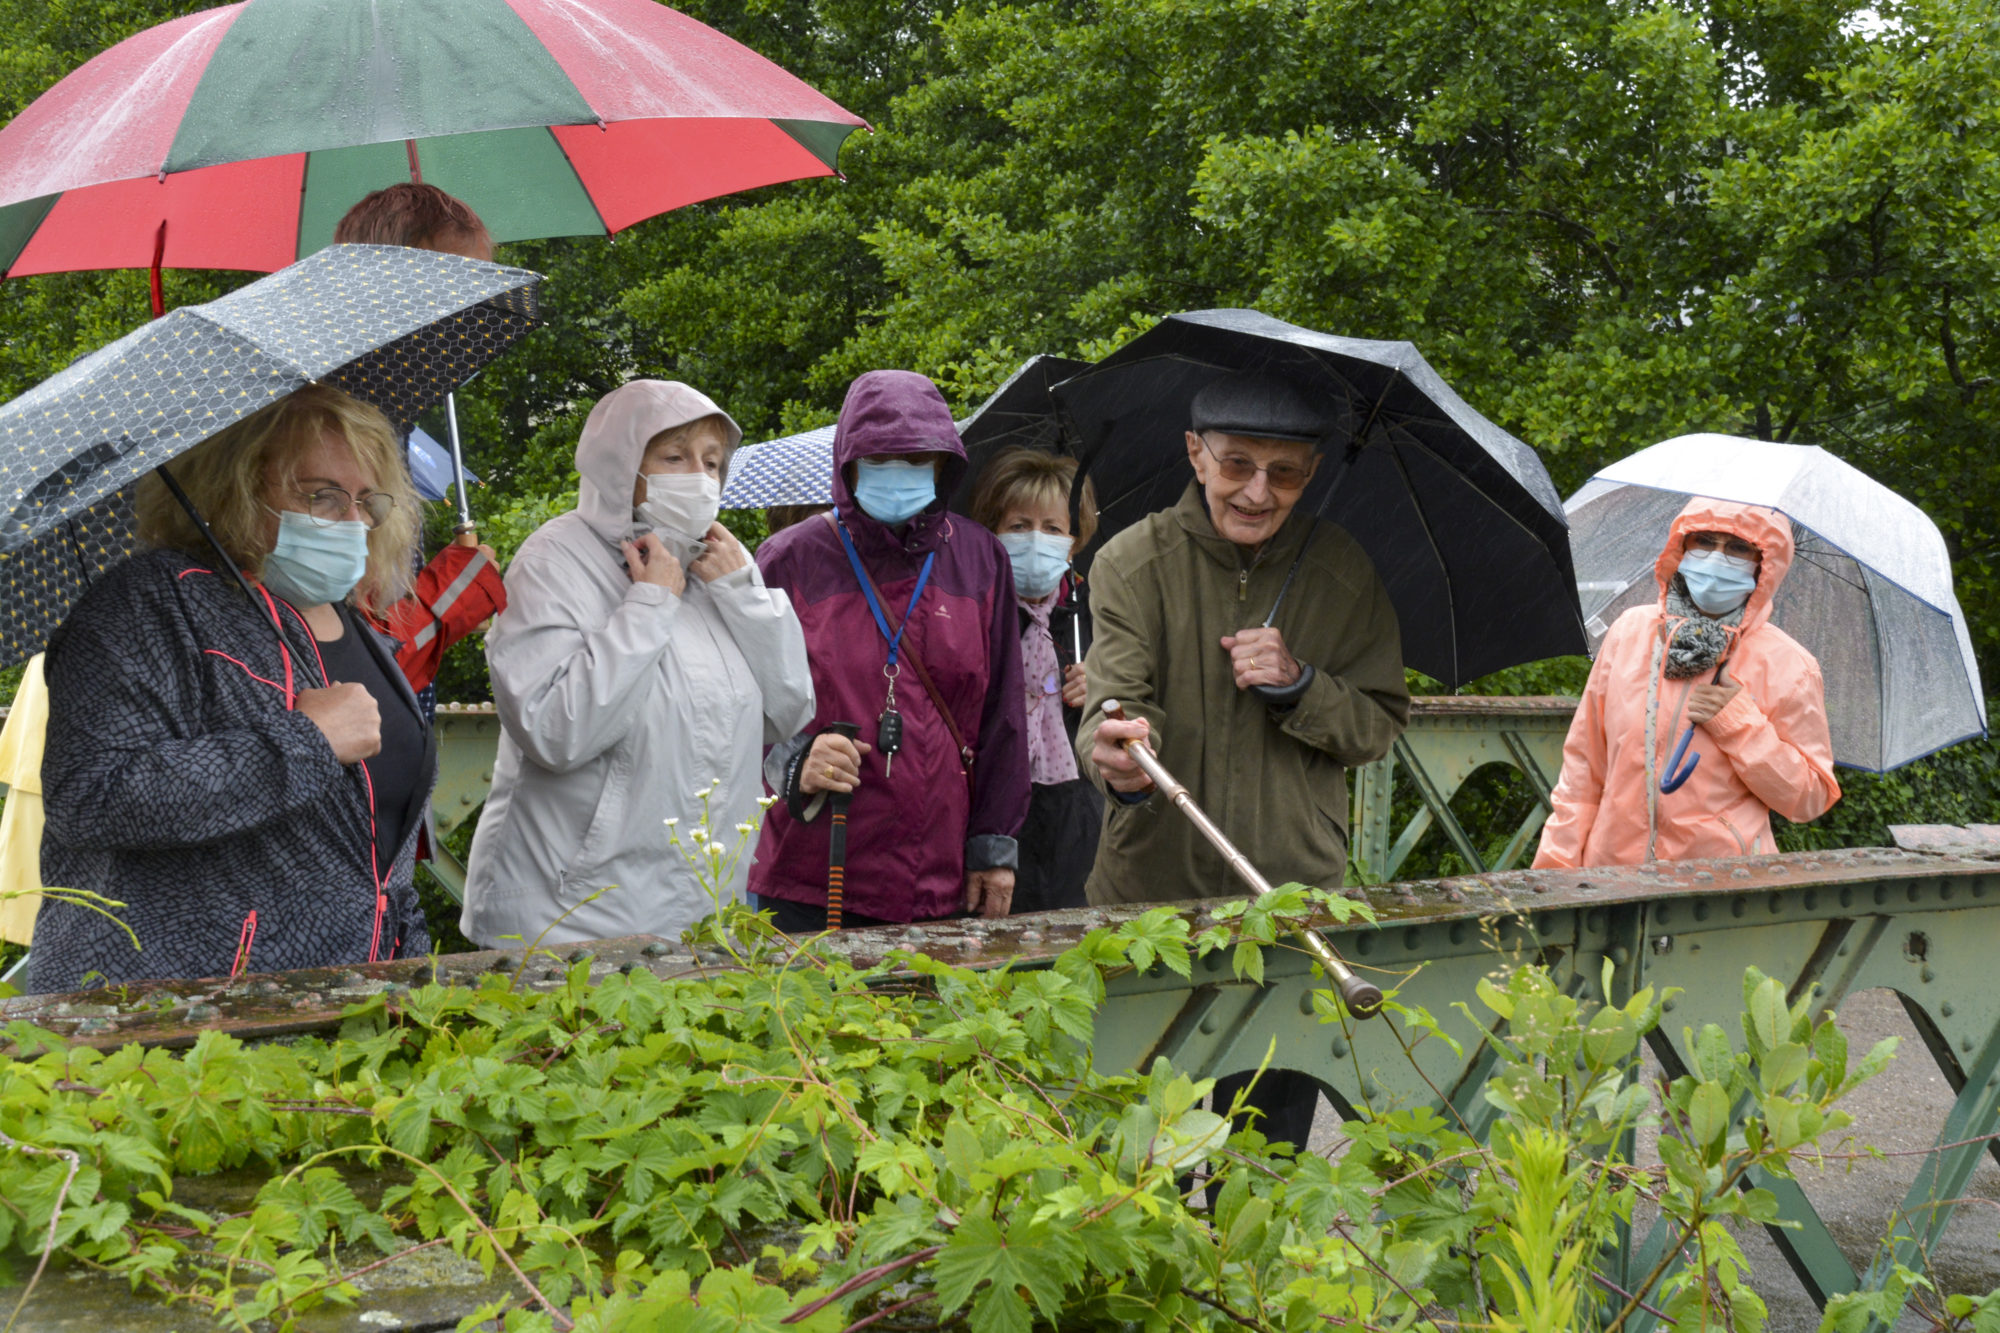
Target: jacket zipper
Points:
(1242, 584)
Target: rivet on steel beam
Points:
(1593, 921)
(1663, 913)
(1412, 937)
(1621, 955)
(1306, 1004)
(1213, 961)
(1739, 905)
(1741, 872)
(1881, 894)
(1669, 1005)
(1457, 932)
(1208, 1025)
(1844, 950)
(1947, 890)
(1966, 1045)
(1703, 877)
(1339, 1048)
(1701, 911)
(1946, 1010)
(1363, 944)
(1777, 868)
(1811, 899)
(1927, 975)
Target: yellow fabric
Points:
(21, 820)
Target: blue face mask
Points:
(894, 490)
(1039, 560)
(1718, 583)
(312, 565)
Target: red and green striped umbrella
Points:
(236, 138)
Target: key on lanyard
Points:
(889, 726)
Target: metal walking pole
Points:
(465, 523)
(1363, 998)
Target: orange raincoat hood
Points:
(1767, 750)
(1766, 529)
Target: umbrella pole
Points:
(465, 523)
(1362, 998)
(202, 524)
(1325, 502)
(227, 563)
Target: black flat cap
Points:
(1267, 407)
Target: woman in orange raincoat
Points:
(1707, 656)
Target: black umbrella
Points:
(395, 327)
(1020, 414)
(1461, 519)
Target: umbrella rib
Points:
(1451, 602)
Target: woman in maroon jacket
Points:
(904, 606)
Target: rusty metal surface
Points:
(1487, 705)
(174, 1013)
(1975, 841)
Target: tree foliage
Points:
(1606, 223)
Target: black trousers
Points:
(805, 919)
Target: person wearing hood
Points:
(910, 614)
(639, 669)
(1705, 656)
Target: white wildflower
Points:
(746, 828)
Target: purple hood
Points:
(895, 412)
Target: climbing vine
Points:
(793, 1141)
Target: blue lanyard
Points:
(868, 591)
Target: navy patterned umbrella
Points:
(396, 327)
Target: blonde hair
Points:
(226, 475)
(681, 436)
(1020, 476)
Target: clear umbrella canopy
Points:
(1869, 594)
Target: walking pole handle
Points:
(836, 861)
(1362, 998)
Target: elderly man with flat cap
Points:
(1261, 724)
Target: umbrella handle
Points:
(1676, 776)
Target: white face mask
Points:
(681, 503)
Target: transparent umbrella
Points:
(1869, 593)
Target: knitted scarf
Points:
(1700, 640)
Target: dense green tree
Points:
(1606, 223)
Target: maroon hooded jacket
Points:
(913, 834)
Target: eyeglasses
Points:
(1717, 541)
(1282, 476)
(330, 505)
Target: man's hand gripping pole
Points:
(1363, 999)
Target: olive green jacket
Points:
(1163, 593)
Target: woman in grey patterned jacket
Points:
(250, 791)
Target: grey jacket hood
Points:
(614, 440)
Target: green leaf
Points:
(1783, 1066)
(1025, 1257)
(1708, 1114)
(1767, 1020)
